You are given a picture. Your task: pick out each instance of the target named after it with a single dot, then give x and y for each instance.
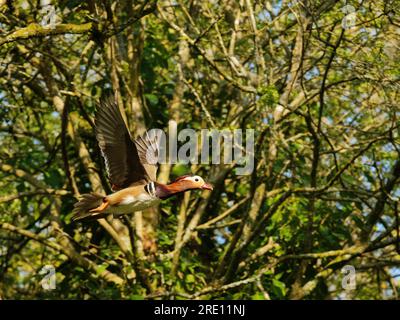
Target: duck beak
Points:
(207, 186)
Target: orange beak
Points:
(207, 186)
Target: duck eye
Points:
(196, 179)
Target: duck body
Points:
(134, 198)
(131, 199)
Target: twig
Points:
(224, 214)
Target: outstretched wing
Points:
(147, 146)
(119, 151)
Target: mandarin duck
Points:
(131, 167)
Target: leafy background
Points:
(321, 94)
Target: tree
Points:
(318, 80)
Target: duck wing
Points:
(147, 147)
(120, 152)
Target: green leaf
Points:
(190, 278)
(279, 288)
(101, 268)
(136, 297)
(152, 99)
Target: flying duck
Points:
(131, 168)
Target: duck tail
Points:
(90, 206)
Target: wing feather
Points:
(148, 151)
(120, 153)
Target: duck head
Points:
(182, 184)
(188, 182)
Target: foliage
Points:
(322, 97)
